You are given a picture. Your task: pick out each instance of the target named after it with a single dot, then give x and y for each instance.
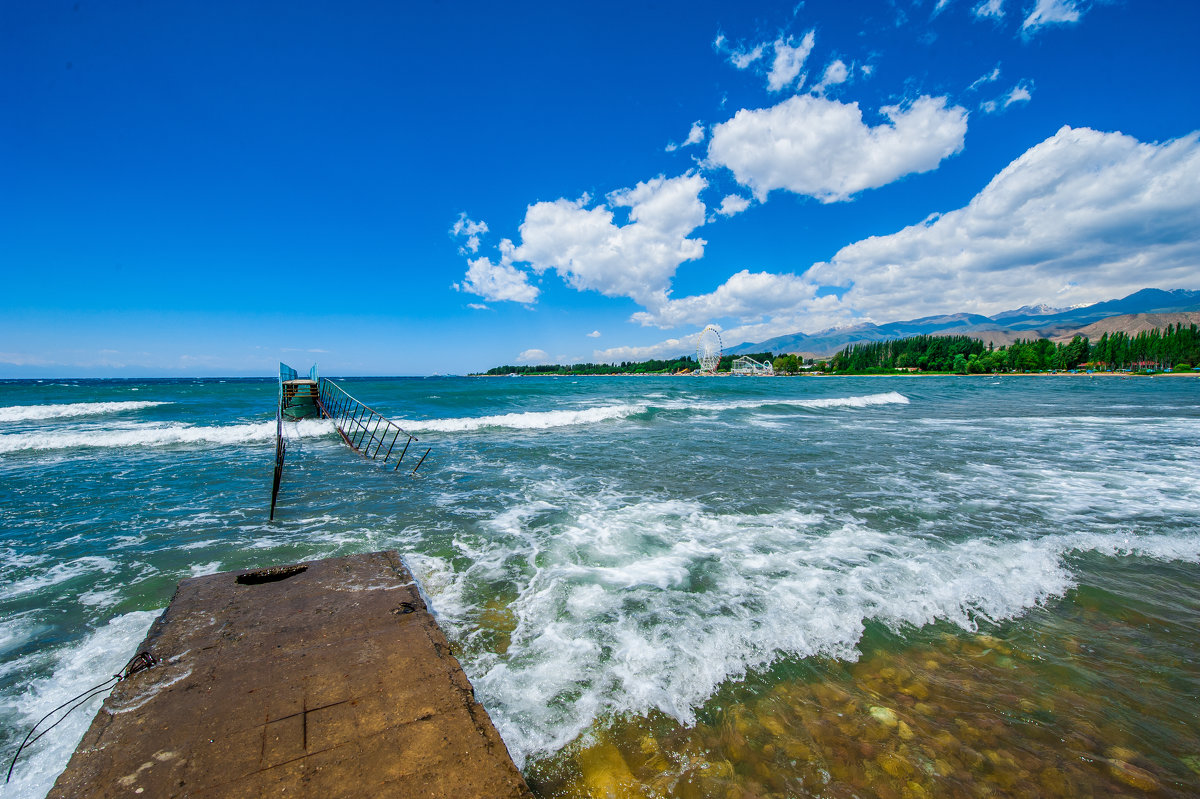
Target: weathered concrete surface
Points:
(332, 682)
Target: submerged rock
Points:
(1133, 776)
(885, 716)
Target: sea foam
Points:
(30, 413)
(73, 669)
(653, 606)
(160, 435)
(543, 420)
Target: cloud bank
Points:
(1082, 208)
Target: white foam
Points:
(627, 609)
(542, 420)
(862, 401)
(28, 413)
(58, 573)
(76, 668)
(530, 420)
(160, 435)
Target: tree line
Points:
(1175, 346)
(625, 367)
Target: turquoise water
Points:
(672, 586)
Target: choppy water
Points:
(673, 586)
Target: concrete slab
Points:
(328, 679)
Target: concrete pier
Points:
(325, 679)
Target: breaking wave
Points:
(542, 420)
(159, 435)
(654, 606)
(531, 420)
(32, 413)
(73, 669)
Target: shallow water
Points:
(673, 586)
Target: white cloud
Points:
(1018, 94)
(744, 58)
(835, 73)
(989, 8)
(991, 77)
(1049, 12)
(594, 334)
(478, 306)
(464, 226)
(695, 136)
(733, 204)
(498, 281)
(468, 227)
(533, 357)
(746, 296)
(818, 313)
(789, 60)
(1100, 214)
(590, 250)
(822, 148)
(671, 348)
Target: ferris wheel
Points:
(708, 349)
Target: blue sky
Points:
(203, 188)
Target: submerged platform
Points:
(325, 679)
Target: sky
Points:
(206, 188)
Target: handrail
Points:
(363, 428)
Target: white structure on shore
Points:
(746, 365)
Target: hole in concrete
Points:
(272, 575)
(405, 608)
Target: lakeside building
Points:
(746, 365)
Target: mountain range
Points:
(1028, 322)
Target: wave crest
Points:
(155, 435)
(33, 413)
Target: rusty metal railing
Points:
(367, 431)
(280, 453)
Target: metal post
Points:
(389, 452)
(423, 457)
(401, 458)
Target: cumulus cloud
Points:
(591, 249)
(671, 348)
(822, 148)
(497, 281)
(817, 313)
(1052, 12)
(594, 334)
(789, 60)
(533, 357)
(1081, 217)
(478, 306)
(733, 204)
(837, 72)
(746, 296)
(989, 8)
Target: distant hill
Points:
(1039, 321)
(1132, 324)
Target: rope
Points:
(139, 662)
